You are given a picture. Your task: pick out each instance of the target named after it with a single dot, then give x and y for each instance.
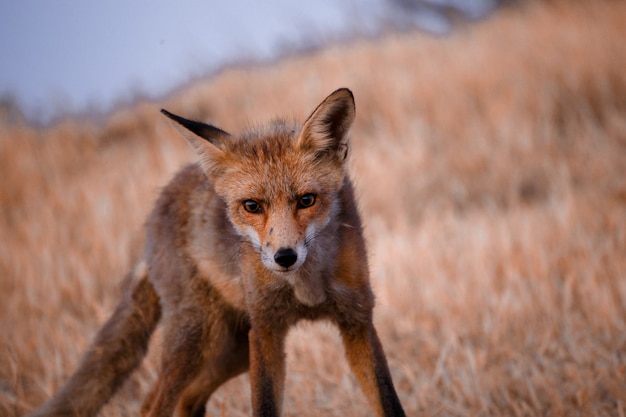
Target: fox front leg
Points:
(367, 360)
(267, 371)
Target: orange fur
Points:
(262, 233)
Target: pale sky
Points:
(63, 56)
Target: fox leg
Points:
(267, 371)
(367, 361)
(226, 361)
(182, 360)
(149, 400)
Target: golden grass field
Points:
(491, 171)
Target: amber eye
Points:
(252, 206)
(307, 200)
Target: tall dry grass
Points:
(491, 169)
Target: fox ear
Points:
(326, 129)
(204, 139)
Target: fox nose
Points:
(285, 257)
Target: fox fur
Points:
(261, 233)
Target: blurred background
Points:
(66, 58)
(488, 155)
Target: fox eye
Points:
(307, 200)
(252, 206)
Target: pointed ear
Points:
(204, 139)
(326, 129)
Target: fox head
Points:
(280, 183)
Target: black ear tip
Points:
(166, 113)
(177, 119)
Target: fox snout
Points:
(283, 250)
(285, 257)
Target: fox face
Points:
(279, 183)
(278, 196)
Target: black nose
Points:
(285, 257)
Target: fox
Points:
(261, 232)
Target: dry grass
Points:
(491, 168)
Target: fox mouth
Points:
(284, 270)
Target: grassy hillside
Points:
(491, 171)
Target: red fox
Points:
(261, 233)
